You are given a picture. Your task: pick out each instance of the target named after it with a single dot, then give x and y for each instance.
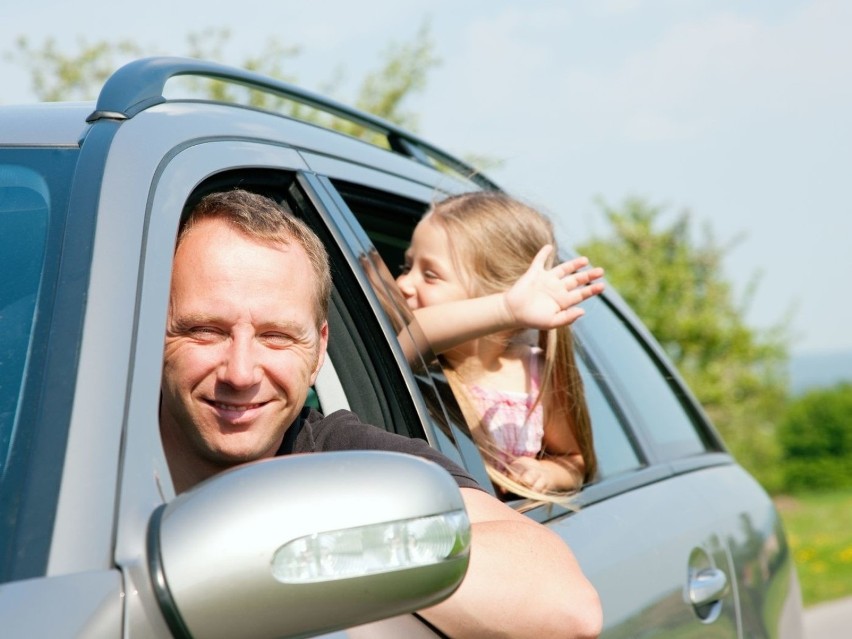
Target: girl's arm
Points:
(543, 298)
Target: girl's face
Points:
(430, 275)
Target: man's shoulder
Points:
(343, 430)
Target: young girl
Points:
(477, 278)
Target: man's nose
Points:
(241, 367)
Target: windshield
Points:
(34, 189)
(24, 215)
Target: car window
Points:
(427, 387)
(24, 210)
(34, 187)
(615, 450)
(388, 220)
(646, 391)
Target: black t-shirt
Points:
(342, 430)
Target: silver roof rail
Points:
(139, 85)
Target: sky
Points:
(738, 112)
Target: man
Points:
(246, 337)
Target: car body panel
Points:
(637, 548)
(52, 124)
(87, 604)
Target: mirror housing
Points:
(306, 544)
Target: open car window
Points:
(389, 221)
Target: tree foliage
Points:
(59, 76)
(816, 440)
(404, 71)
(676, 286)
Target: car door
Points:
(664, 530)
(361, 373)
(712, 523)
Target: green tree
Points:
(816, 440)
(676, 285)
(59, 76)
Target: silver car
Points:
(677, 538)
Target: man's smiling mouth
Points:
(235, 407)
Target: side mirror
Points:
(308, 544)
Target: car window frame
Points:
(352, 241)
(144, 476)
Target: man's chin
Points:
(227, 454)
(228, 458)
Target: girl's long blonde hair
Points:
(493, 239)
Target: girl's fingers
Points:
(571, 266)
(589, 277)
(540, 259)
(590, 274)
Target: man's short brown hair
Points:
(267, 221)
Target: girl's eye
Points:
(404, 269)
(430, 275)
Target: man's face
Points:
(242, 347)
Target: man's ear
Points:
(322, 346)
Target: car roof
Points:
(44, 124)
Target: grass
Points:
(819, 529)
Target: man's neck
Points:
(184, 473)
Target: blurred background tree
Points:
(57, 75)
(676, 284)
(79, 75)
(816, 440)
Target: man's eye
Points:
(204, 332)
(277, 339)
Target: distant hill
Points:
(819, 370)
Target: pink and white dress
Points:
(506, 415)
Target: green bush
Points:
(816, 440)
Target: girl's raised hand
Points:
(545, 298)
